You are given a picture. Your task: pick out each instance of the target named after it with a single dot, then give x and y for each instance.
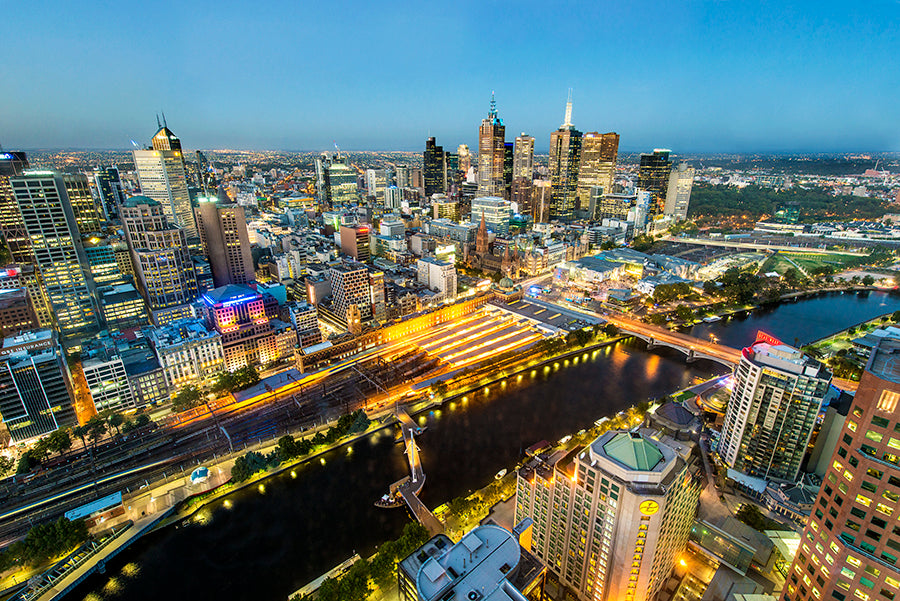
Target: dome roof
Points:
(506, 283)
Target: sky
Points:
(693, 76)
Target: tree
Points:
(868, 280)
(116, 420)
(59, 441)
(607, 245)
(611, 330)
(142, 420)
(6, 465)
(684, 312)
(186, 398)
(96, 428)
(27, 462)
(81, 432)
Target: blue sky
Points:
(693, 76)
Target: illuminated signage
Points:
(649, 507)
(9, 273)
(5, 156)
(767, 338)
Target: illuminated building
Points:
(392, 197)
(189, 352)
(445, 208)
(523, 172)
(109, 188)
(25, 276)
(508, 150)
(105, 376)
(350, 286)
(34, 393)
(850, 547)
(355, 242)
(335, 180)
(434, 168)
(654, 178)
(109, 260)
(246, 320)
(376, 182)
(565, 158)
(678, 194)
(122, 307)
(162, 178)
(491, 154)
(770, 417)
(161, 259)
(598, 166)
(11, 224)
(489, 563)
(45, 200)
(164, 139)
(223, 234)
(16, 312)
(464, 159)
(496, 211)
(611, 518)
(305, 320)
(438, 275)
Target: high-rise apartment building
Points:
(611, 518)
(678, 194)
(599, 153)
(437, 275)
(47, 202)
(223, 234)
(776, 398)
(850, 547)
(393, 197)
(565, 158)
(165, 271)
(337, 180)
(34, 391)
(109, 188)
(350, 286)
(434, 168)
(162, 178)
(11, 224)
(376, 182)
(654, 178)
(401, 176)
(491, 154)
(523, 157)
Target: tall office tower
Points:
(341, 182)
(565, 158)
(491, 154)
(435, 168)
(16, 312)
(850, 547)
(26, 276)
(401, 176)
(87, 213)
(350, 286)
(776, 398)
(52, 224)
(598, 165)
(376, 182)
(523, 173)
(164, 139)
(11, 224)
(34, 396)
(495, 212)
(223, 233)
(355, 242)
(159, 252)
(654, 177)
(678, 194)
(610, 518)
(162, 178)
(109, 188)
(507, 168)
(393, 195)
(465, 158)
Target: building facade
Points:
(223, 234)
(496, 211)
(491, 154)
(565, 159)
(11, 225)
(654, 178)
(599, 153)
(189, 352)
(678, 194)
(850, 547)
(162, 178)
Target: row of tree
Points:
(290, 448)
(43, 542)
(191, 396)
(355, 584)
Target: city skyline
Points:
(705, 78)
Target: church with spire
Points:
(505, 262)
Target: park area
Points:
(809, 262)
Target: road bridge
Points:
(691, 346)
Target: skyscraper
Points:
(162, 178)
(434, 167)
(165, 271)
(610, 518)
(47, 202)
(223, 233)
(11, 224)
(850, 547)
(598, 165)
(523, 173)
(335, 180)
(565, 158)
(109, 188)
(491, 154)
(776, 398)
(678, 195)
(465, 159)
(508, 157)
(654, 177)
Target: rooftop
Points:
(633, 451)
(885, 360)
(229, 294)
(139, 200)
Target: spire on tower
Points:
(493, 112)
(166, 125)
(158, 124)
(568, 121)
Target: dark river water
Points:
(266, 544)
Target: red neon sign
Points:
(767, 338)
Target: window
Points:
(872, 472)
(881, 422)
(869, 486)
(874, 435)
(888, 401)
(863, 500)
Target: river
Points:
(264, 545)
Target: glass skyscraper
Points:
(491, 154)
(565, 158)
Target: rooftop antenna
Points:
(493, 104)
(158, 124)
(568, 122)
(166, 125)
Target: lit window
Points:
(888, 401)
